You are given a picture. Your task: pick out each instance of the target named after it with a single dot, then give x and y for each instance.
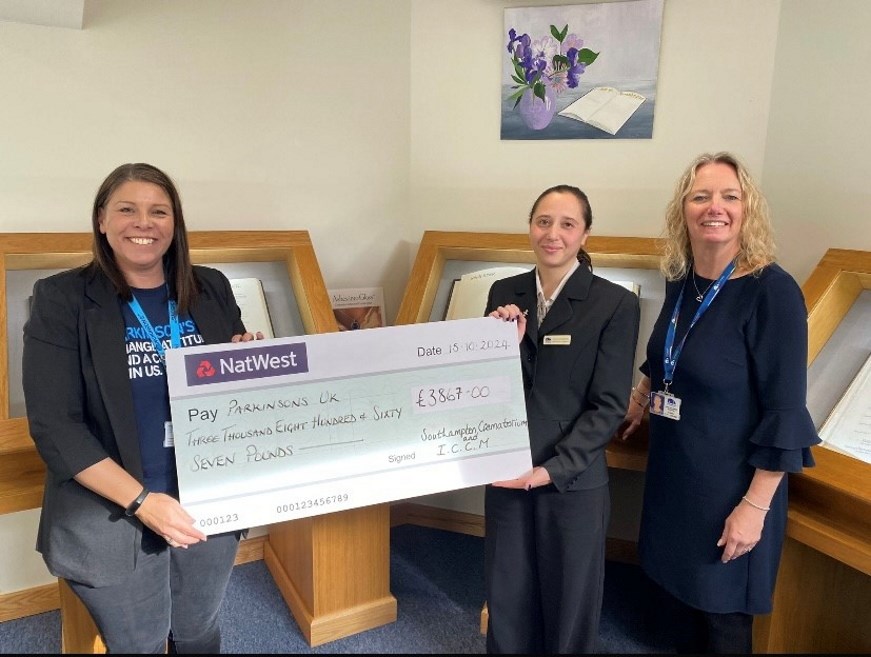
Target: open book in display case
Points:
(823, 591)
(332, 569)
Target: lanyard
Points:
(174, 329)
(670, 354)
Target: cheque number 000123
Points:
(431, 397)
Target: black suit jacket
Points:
(576, 394)
(80, 411)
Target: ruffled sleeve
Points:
(782, 441)
(777, 341)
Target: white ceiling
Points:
(52, 13)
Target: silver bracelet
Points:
(756, 506)
(645, 397)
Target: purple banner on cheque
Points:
(244, 364)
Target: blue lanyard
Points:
(174, 328)
(670, 355)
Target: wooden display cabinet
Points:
(823, 594)
(333, 570)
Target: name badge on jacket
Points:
(558, 340)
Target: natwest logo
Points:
(205, 369)
(250, 363)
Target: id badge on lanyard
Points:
(664, 403)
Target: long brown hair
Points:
(176, 261)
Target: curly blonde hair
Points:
(756, 248)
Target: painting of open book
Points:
(605, 108)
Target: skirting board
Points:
(40, 599)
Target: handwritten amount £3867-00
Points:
(431, 397)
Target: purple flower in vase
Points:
(544, 50)
(512, 37)
(521, 49)
(544, 68)
(575, 68)
(534, 71)
(571, 41)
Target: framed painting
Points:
(581, 71)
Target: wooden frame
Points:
(332, 570)
(824, 586)
(437, 248)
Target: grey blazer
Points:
(80, 410)
(576, 393)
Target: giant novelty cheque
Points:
(285, 428)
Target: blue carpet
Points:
(438, 581)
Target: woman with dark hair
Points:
(728, 358)
(545, 531)
(98, 408)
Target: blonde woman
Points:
(728, 357)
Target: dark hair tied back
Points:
(586, 210)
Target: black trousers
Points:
(544, 569)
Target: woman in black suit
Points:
(98, 407)
(545, 530)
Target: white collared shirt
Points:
(545, 304)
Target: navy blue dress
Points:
(742, 379)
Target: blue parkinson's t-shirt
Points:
(148, 383)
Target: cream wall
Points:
(817, 165)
